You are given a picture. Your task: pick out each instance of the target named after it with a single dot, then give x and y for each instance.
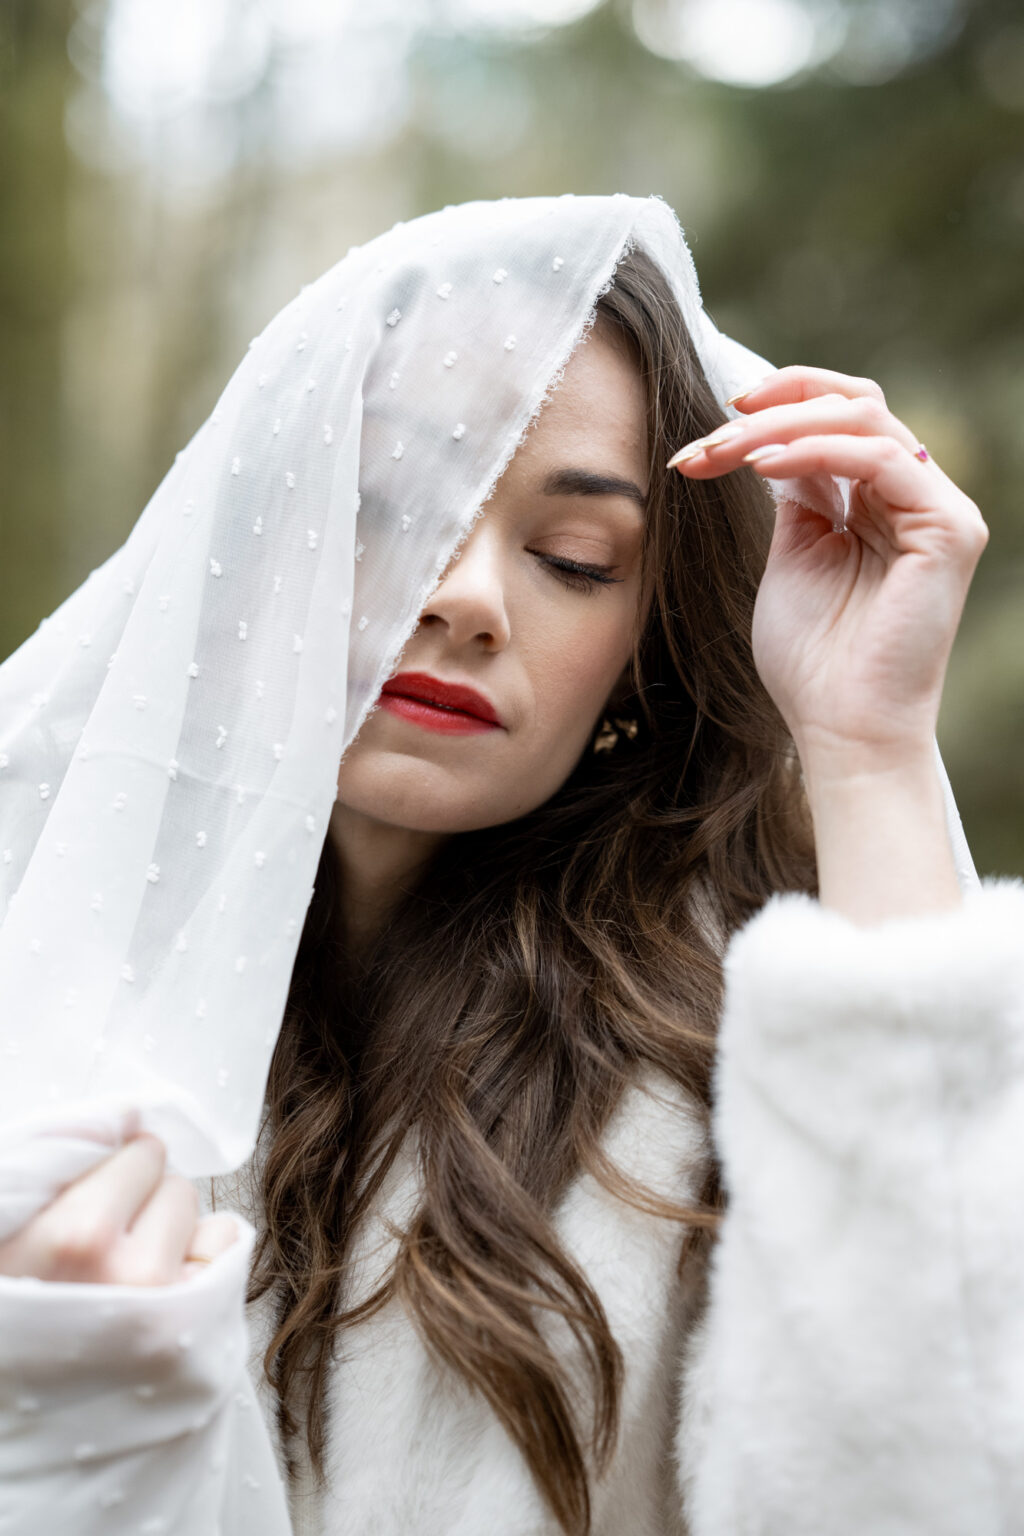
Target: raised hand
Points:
(852, 630)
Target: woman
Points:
(497, 1282)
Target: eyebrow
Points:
(585, 482)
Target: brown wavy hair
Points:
(534, 969)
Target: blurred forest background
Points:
(850, 174)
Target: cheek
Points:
(574, 665)
(568, 656)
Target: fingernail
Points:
(690, 452)
(751, 389)
(767, 451)
(713, 440)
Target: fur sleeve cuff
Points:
(828, 1021)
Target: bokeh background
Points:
(850, 174)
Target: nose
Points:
(470, 600)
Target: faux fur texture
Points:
(413, 1450)
(858, 1370)
(862, 1365)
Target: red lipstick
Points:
(450, 708)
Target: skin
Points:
(852, 634)
(544, 646)
(853, 631)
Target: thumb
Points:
(213, 1235)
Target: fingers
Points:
(77, 1236)
(892, 482)
(896, 475)
(798, 382)
(729, 445)
(120, 1184)
(212, 1236)
(123, 1223)
(159, 1237)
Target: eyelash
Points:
(577, 576)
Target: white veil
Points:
(169, 738)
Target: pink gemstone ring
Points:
(921, 452)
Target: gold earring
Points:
(607, 737)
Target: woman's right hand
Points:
(125, 1222)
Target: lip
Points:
(453, 709)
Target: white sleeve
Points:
(129, 1409)
(861, 1364)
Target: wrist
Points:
(857, 802)
(880, 835)
(831, 765)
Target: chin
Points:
(405, 791)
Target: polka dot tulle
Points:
(176, 726)
(151, 1417)
(169, 746)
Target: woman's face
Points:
(535, 616)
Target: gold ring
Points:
(198, 1258)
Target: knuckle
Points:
(968, 532)
(798, 382)
(888, 451)
(872, 390)
(871, 412)
(79, 1247)
(979, 531)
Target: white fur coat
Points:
(858, 1369)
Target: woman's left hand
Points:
(852, 631)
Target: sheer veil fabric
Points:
(170, 737)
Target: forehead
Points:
(595, 417)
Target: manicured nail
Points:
(768, 451)
(751, 389)
(690, 452)
(713, 440)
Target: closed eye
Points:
(576, 574)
